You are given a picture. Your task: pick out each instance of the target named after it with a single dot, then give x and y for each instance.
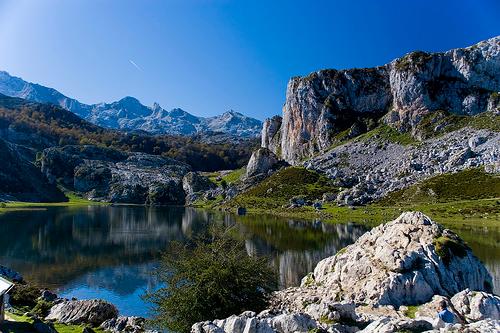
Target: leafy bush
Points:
(446, 248)
(211, 277)
(42, 308)
(24, 295)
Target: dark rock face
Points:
(21, 180)
(109, 175)
(325, 103)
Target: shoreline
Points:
(455, 214)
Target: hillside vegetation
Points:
(279, 188)
(471, 184)
(43, 125)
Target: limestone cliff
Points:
(401, 93)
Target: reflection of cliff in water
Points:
(295, 247)
(59, 244)
(55, 246)
(103, 248)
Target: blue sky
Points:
(209, 56)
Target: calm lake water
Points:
(110, 252)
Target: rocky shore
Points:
(390, 280)
(49, 309)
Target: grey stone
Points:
(261, 161)
(93, 312)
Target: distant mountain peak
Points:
(129, 114)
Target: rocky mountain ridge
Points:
(326, 104)
(129, 114)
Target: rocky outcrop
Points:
(264, 322)
(474, 305)
(93, 312)
(367, 286)
(20, 180)
(405, 261)
(109, 175)
(368, 169)
(271, 135)
(261, 161)
(194, 182)
(124, 324)
(323, 104)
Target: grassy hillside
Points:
(278, 189)
(471, 184)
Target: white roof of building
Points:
(5, 285)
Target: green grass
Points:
(466, 199)
(470, 184)
(385, 132)
(23, 324)
(279, 188)
(234, 176)
(230, 178)
(73, 200)
(447, 122)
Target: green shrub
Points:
(411, 312)
(446, 248)
(42, 308)
(211, 277)
(24, 295)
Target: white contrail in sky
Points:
(135, 65)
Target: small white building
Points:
(5, 286)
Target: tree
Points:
(210, 277)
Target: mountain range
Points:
(130, 115)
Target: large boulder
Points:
(93, 312)
(390, 325)
(405, 261)
(193, 182)
(124, 324)
(475, 305)
(106, 174)
(261, 161)
(271, 134)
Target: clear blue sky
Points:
(209, 56)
